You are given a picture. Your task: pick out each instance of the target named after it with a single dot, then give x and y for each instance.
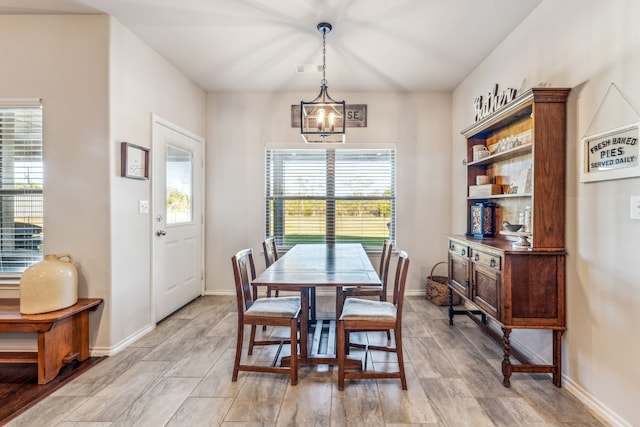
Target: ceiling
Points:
(255, 45)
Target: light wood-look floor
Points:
(180, 375)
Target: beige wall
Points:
(142, 83)
(100, 85)
(241, 124)
(585, 45)
(64, 61)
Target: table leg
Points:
(304, 321)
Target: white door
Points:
(178, 251)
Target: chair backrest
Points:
(385, 258)
(244, 272)
(270, 251)
(398, 285)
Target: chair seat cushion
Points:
(362, 309)
(285, 307)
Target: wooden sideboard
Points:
(516, 278)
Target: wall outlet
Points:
(143, 206)
(635, 207)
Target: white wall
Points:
(100, 85)
(585, 45)
(142, 83)
(63, 60)
(239, 125)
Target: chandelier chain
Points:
(324, 57)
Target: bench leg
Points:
(66, 341)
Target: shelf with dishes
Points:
(502, 155)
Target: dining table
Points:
(308, 267)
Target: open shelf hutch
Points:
(517, 278)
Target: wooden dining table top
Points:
(306, 267)
(321, 265)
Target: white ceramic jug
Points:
(51, 284)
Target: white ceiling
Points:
(255, 45)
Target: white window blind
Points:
(21, 183)
(330, 195)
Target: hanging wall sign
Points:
(611, 155)
(356, 116)
(487, 104)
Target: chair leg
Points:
(252, 339)
(294, 351)
(399, 353)
(339, 302)
(341, 354)
(383, 297)
(347, 342)
(236, 364)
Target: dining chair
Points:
(284, 311)
(370, 315)
(270, 256)
(370, 291)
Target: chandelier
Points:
(323, 119)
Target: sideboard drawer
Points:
(458, 248)
(488, 259)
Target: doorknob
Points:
(161, 233)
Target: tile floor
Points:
(180, 375)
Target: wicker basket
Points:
(437, 289)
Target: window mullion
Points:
(331, 197)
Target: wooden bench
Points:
(63, 335)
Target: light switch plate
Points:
(635, 207)
(143, 206)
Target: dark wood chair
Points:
(252, 311)
(370, 315)
(270, 256)
(370, 291)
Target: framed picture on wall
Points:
(134, 161)
(612, 154)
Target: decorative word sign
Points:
(356, 116)
(494, 100)
(612, 154)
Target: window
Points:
(21, 179)
(330, 195)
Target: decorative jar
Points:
(49, 285)
(482, 222)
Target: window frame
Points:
(15, 143)
(329, 196)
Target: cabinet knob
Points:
(463, 252)
(452, 247)
(477, 257)
(492, 263)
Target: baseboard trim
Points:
(110, 351)
(599, 409)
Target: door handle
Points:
(161, 233)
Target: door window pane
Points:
(179, 185)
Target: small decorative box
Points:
(482, 221)
(484, 190)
